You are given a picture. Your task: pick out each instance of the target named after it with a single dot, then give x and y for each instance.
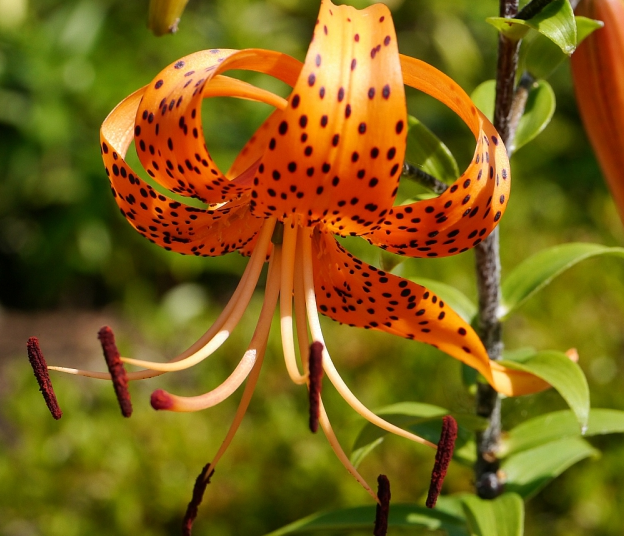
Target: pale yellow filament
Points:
(261, 335)
(286, 297)
(328, 365)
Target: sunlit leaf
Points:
(537, 271)
(555, 21)
(558, 425)
(483, 96)
(362, 518)
(529, 471)
(538, 112)
(540, 56)
(564, 375)
(425, 150)
(455, 299)
(503, 516)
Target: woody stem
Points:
(488, 276)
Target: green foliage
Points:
(503, 516)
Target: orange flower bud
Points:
(598, 72)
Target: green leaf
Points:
(538, 112)
(558, 425)
(540, 56)
(425, 150)
(484, 96)
(454, 298)
(564, 375)
(362, 518)
(555, 21)
(164, 15)
(537, 271)
(503, 516)
(424, 420)
(529, 471)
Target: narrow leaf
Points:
(454, 298)
(564, 375)
(425, 150)
(538, 112)
(529, 471)
(559, 425)
(555, 21)
(503, 516)
(361, 518)
(537, 271)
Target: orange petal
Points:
(598, 73)
(358, 294)
(471, 208)
(336, 154)
(168, 131)
(166, 222)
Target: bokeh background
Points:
(69, 263)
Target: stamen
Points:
(198, 494)
(328, 365)
(446, 445)
(383, 506)
(316, 375)
(40, 368)
(228, 319)
(116, 369)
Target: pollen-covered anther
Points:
(315, 365)
(198, 494)
(40, 368)
(446, 445)
(116, 369)
(383, 506)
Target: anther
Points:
(446, 445)
(116, 369)
(198, 494)
(40, 368)
(383, 506)
(315, 368)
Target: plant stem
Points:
(423, 178)
(488, 483)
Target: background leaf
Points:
(455, 298)
(362, 518)
(539, 270)
(503, 516)
(540, 107)
(427, 151)
(564, 375)
(530, 470)
(558, 425)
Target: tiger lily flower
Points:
(598, 73)
(326, 162)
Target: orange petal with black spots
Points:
(355, 293)
(336, 154)
(470, 209)
(168, 131)
(166, 222)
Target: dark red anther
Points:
(383, 506)
(116, 369)
(315, 371)
(446, 445)
(40, 368)
(198, 494)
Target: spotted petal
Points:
(359, 294)
(470, 209)
(164, 221)
(336, 154)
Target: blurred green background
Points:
(69, 263)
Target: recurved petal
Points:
(471, 208)
(358, 294)
(336, 153)
(164, 221)
(168, 132)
